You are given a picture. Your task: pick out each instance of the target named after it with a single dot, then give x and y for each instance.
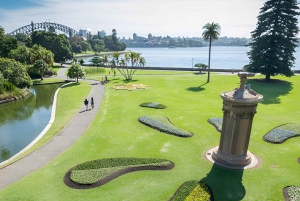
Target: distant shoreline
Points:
(99, 54)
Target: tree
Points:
(6, 43)
(201, 66)
(75, 71)
(85, 46)
(135, 59)
(210, 34)
(274, 40)
(41, 66)
(96, 61)
(59, 45)
(15, 72)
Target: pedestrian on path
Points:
(92, 102)
(86, 103)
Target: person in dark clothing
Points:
(92, 102)
(86, 103)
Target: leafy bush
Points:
(216, 122)
(282, 133)
(93, 70)
(293, 193)
(9, 86)
(93, 171)
(193, 190)
(153, 105)
(163, 124)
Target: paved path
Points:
(64, 139)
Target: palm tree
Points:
(142, 61)
(211, 33)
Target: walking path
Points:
(58, 144)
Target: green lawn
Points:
(116, 132)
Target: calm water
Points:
(22, 121)
(221, 58)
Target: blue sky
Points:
(158, 17)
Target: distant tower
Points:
(83, 33)
(149, 36)
(134, 37)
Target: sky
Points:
(184, 18)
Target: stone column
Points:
(239, 107)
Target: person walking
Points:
(86, 103)
(92, 102)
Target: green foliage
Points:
(41, 66)
(112, 43)
(93, 71)
(75, 71)
(59, 45)
(293, 193)
(6, 43)
(93, 171)
(163, 124)
(15, 72)
(153, 105)
(282, 133)
(216, 122)
(272, 46)
(192, 191)
(9, 86)
(97, 61)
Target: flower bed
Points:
(193, 190)
(163, 124)
(153, 105)
(282, 133)
(292, 193)
(216, 122)
(98, 172)
(130, 87)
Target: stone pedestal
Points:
(239, 107)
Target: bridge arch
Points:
(28, 29)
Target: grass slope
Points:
(115, 132)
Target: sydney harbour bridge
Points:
(28, 29)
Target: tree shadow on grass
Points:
(128, 81)
(226, 184)
(196, 89)
(271, 90)
(73, 84)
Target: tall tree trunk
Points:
(268, 77)
(208, 71)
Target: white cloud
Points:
(159, 17)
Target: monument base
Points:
(239, 163)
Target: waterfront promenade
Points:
(58, 144)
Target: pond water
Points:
(23, 120)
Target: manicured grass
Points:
(115, 132)
(47, 80)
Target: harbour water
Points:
(222, 57)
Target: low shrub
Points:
(153, 105)
(293, 193)
(282, 133)
(163, 124)
(193, 190)
(216, 122)
(90, 172)
(9, 86)
(93, 70)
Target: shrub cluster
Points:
(93, 171)
(293, 193)
(153, 105)
(163, 124)
(93, 70)
(282, 133)
(216, 122)
(193, 190)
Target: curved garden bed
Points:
(291, 193)
(163, 124)
(153, 105)
(193, 190)
(217, 123)
(99, 172)
(282, 133)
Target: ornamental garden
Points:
(149, 143)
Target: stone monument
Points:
(239, 108)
